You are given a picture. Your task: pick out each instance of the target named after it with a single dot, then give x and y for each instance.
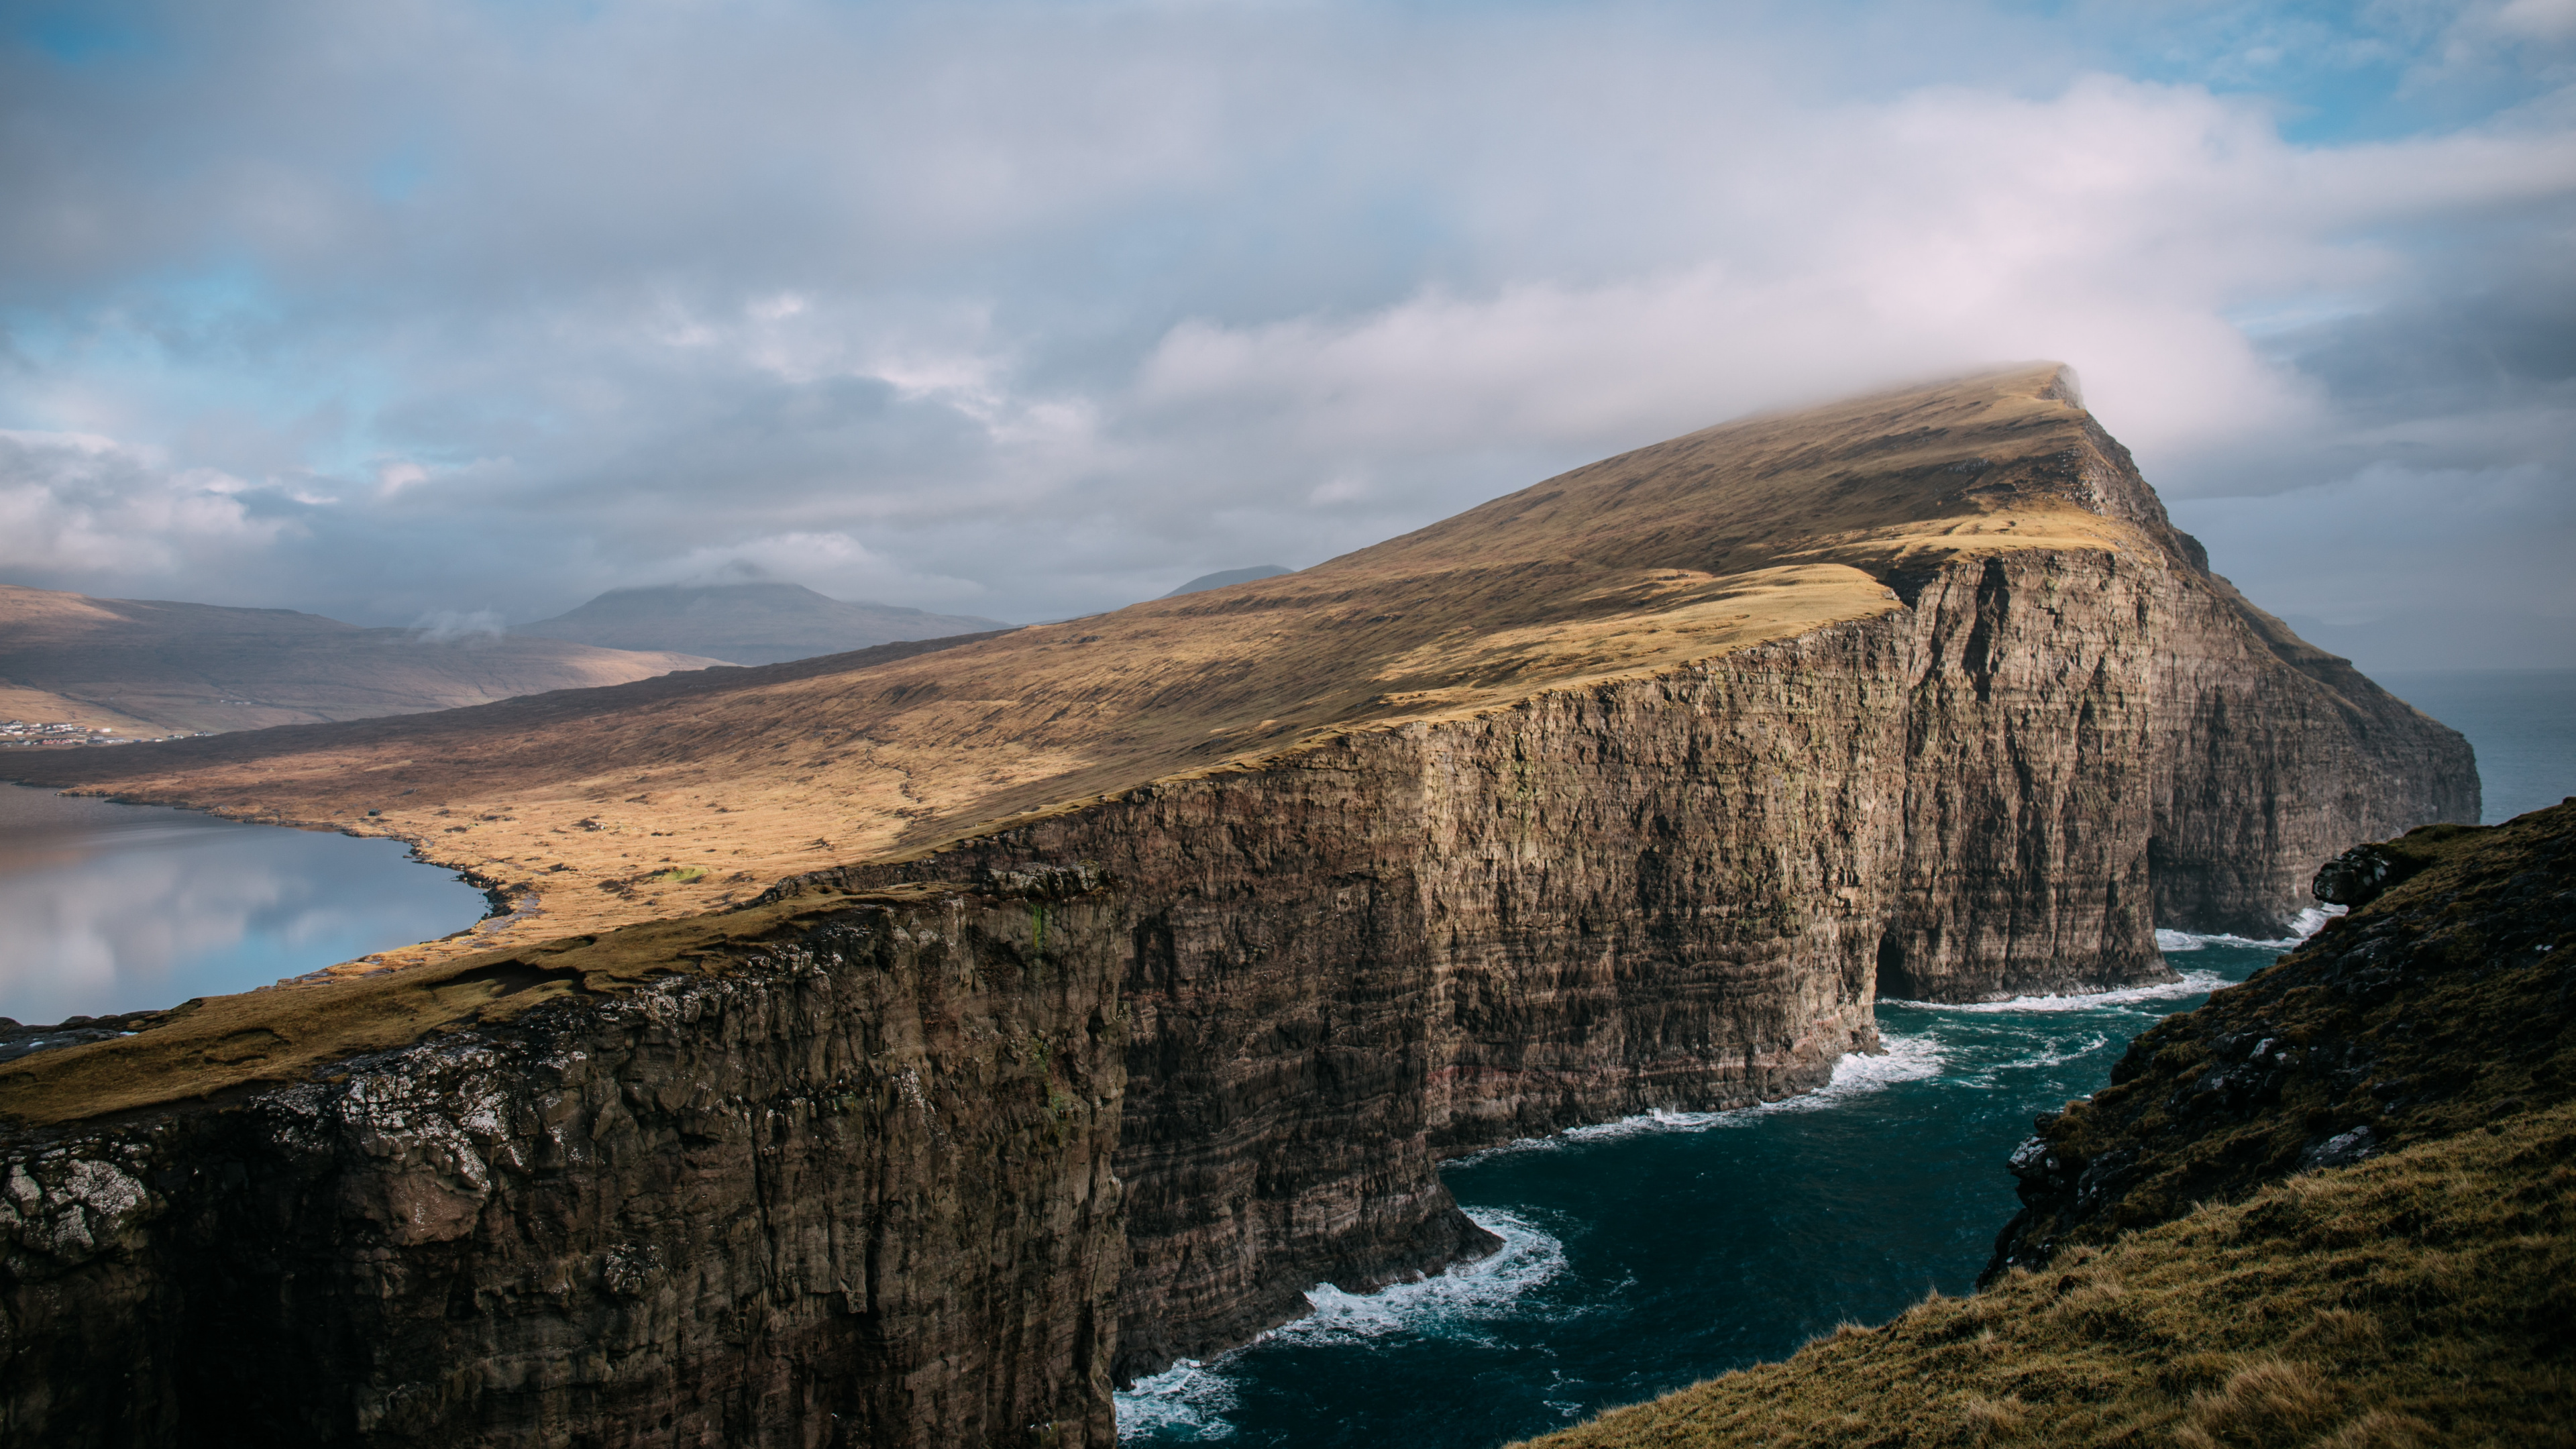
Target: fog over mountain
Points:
(1016, 311)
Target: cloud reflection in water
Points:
(124, 907)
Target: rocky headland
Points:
(1634, 789)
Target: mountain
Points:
(1633, 790)
(746, 623)
(1223, 577)
(149, 666)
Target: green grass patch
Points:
(2425, 1298)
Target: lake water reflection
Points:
(108, 907)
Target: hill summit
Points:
(755, 622)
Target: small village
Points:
(21, 734)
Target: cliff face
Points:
(849, 1186)
(1682, 891)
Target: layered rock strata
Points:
(848, 1183)
(1681, 891)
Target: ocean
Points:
(1648, 1254)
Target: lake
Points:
(107, 908)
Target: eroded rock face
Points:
(855, 1189)
(1685, 892)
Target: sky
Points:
(419, 313)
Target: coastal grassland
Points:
(2427, 1297)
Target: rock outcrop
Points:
(2446, 1001)
(840, 1179)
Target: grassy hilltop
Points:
(2191, 1272)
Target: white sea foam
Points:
(2059, 1054)
(1190, 1399)
(1902, 1059)
(2307, 923)
(2191, 983)
(1445, 1303)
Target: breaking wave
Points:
(2190, 983)
(1900, 1059)
(1187, 1400)
(2307, 923)
(1447, 1304)
(1190, 1399)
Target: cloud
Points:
(78, 509)
(452, 626)
(1036, 310)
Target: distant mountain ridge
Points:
(150, 665)
(746, 623)
(1223, 577)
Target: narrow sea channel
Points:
(107, 908)
(1649, 1254)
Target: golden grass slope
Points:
(1683, 551)
(139, 663)
(2425, 1298)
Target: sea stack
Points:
(1633, 789)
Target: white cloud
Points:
(454, 626)
(828, 562)
(84, 511)
(1053, 307)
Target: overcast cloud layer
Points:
(407, 311)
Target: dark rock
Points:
(2360, 875)
(2341, 1149)
(853, 1189)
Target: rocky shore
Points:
(2438, 1007)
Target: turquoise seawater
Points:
(1648, 1254)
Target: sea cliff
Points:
(1682, 892)
(837, 1174)
(1635, 789)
